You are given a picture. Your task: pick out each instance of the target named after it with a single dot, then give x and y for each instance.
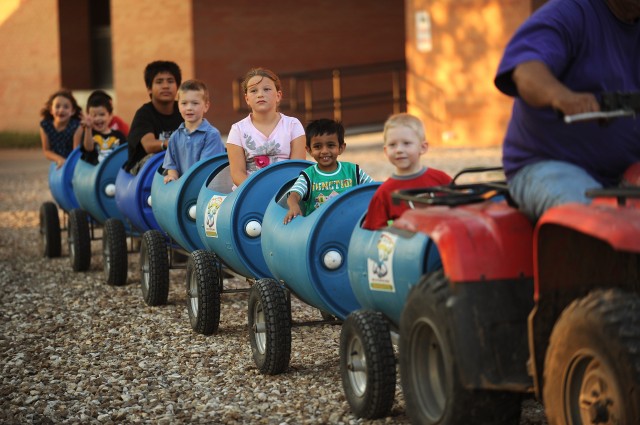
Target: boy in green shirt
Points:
(329, 177)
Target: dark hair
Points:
(260, 72)
(100, 98)
(46, 111)
(156, 67)
(194, 85)
(324, 126)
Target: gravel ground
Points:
(74, 350)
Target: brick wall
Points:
(144, 31)
(30, 65)
(290, 36)
(450, 86)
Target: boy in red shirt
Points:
(404, 143)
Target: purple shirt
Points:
(589, 50)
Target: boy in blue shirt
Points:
(195, 138)
(329, 177)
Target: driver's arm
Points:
(540, 88)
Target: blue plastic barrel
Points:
(310, 253)
(94, 185)
(172, 202)
(60, 183)
(133, 193)
(385, 264)
(229, 223)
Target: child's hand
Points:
(59, 163)
(169, 178)
(86, 121)
(294, 211)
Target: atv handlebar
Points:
(612, 105)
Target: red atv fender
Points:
(477, 242)
(594, 237)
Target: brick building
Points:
(357, 60)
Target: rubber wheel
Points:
(204, 286)
(114, 252)
(367, 364)
(79, 240)
(428, 368)
(270, 326)
(50, 230)
(592, 366)
(154, 268)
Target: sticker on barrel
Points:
(380, 270)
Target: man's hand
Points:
(540, 88)
(571, 103)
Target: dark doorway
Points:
(85, 44)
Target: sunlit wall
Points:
(453, 48)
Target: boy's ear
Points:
(308, 149)
(341, 148)
(424, 147)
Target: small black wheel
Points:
(270, 326)
(204, 286)
(367, 364)
(114, 252)
(50, 230)
(592, 365)
(154, 268)
(428, 365)
(79, 240)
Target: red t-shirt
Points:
(381, 209)
(118, 123)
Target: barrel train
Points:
(482, 303)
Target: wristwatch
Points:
(163, 144)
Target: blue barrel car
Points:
(383, 266)
(62, 191)
(133, 200)
(229, 223)
(309, 257)
(94, 188)
(174, 208)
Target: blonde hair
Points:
(405, 120)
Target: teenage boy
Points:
(154, 122)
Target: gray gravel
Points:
(74, 350)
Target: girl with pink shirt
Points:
(265, 136)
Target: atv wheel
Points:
(50, 230)
(270, 326)
(592, 366)
(154, 268)
(428, 366)
(367, 364)
(79, 240)
(114, 252)
(204, 286)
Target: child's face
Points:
(262, 95)
(163, 88)
(192, 106)
(403, 147)
(62, 109)
(325, 149)
(100, 118)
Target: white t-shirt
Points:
(260, 150)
